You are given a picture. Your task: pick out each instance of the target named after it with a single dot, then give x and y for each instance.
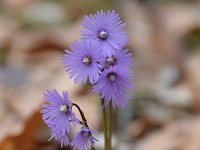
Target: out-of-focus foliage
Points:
(192, 40)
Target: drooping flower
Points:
(58, 114)
(113, 84)
(105, 30)
(84, 139)
(121, 58)
(82, 62)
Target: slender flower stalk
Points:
(110, 123)
(105, 126)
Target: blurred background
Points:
(164, 109)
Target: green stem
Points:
(110, 125)
(106, 138)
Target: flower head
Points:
(84, 139)
(117, 81)
(58, 114)
(121, 58)
(105, 30)
(82, 62)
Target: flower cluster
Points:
(101, 58)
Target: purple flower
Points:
(82, 63)
(121, 58)
(112, 86)
(84, 139)
(64, 140)
(106, 31)
(58, 114)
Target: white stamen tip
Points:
(111, 60)
(64, 108)
(112, 78)
(103, 34)
(86, 60)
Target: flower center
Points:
(64, 108)
(103, 35)
(111, 76)
(85, 134)
(87, 60)
(110, 61)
